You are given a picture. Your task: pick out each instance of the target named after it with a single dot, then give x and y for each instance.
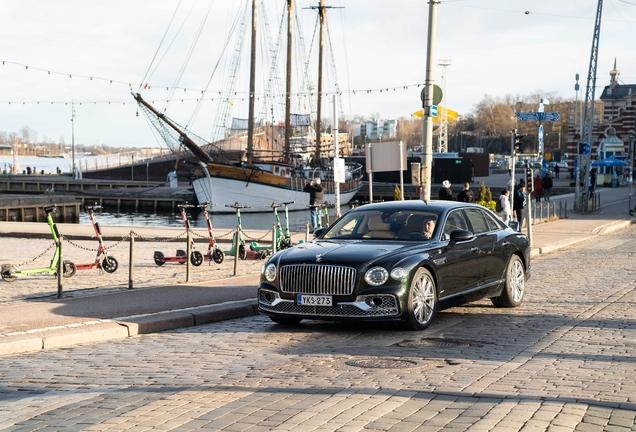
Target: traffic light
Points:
(529, 182)
(518, 139)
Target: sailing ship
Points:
(250, 167)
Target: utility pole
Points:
(582, 199)
(442, 143)
(427, 127)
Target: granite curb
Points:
(123, 327)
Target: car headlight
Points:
(398, 273)
(376, 276)
(270, 272)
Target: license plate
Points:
(314, 300)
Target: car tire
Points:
(285, 320)
(422, 301)
(514, 285)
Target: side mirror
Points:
(319, 232)
(458, 236)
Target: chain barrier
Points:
(268, 233)
(37, 257)
(157, 239)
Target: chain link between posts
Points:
(37, 257)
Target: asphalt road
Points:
(562, 361)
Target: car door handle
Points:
(474, 249)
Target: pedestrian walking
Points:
(316, 197)
(538, 187)
(466, 195)
(547, 186)
(520, 203)
(556, 170)
(445, 193)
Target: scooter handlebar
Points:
(50, 208)
(237, 206)
(288, 203)
(93, 207)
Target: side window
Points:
(478, 221)
(454, 221)
(494, 222)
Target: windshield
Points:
(384, 224)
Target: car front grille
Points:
(317, 279)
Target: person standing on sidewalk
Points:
(556, 170)
(538, 187)
(316, 197)
(520, 203)
(445, 193)
(504, 203)
(547, 186)
(466, 195)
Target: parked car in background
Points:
(377, 263)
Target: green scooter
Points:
(283, 237)
(238, 244)
(10, 273)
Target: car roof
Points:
(416, 205)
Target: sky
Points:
(61, 55)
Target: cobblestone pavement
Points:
(562, 361)
(21, 253)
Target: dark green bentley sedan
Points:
(397, 261)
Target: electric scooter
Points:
(10, 273)
(196, 258)
(238, 244)
(282, 237)
(108, 264)
(214, 251)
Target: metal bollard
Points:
(60, 269)
(131, 263)
(273, 239)
(306, 232)
(235, 247)
(188, 252)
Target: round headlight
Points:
(270, 272)
(376, 276)
(398, 273)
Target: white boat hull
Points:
(223, 191)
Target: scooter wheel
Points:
(159, 258)
(8, 274)
(110, 265)
(242, 252)
(68, 269)
(218, 256)
(196, 258)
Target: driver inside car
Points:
(428, 226)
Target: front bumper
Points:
(365, 306)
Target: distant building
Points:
(375, 129)
(610, 136)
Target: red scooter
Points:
(108, 263)
(214, 251)
(196, 258)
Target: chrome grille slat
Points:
(317, 279)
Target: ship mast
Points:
(288, 126)
(321, 13)
(250, 119)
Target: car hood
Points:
(343, 252)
